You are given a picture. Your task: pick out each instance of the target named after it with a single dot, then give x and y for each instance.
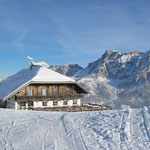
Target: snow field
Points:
(127, 129)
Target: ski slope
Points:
(104, 130)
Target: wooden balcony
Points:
(48, 97)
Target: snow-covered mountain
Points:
(112, 130)
(68, 70)
(115, 79)
(119, 79)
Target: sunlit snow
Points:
(109, 130)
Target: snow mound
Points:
(111, 130)
(41, 63)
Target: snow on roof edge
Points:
(15, 91)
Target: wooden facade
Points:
(49, 97)
(53, 91)
(39, 96)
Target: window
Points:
(22, 104)
(65, 102)
(30, 92)
(67, 91)
(30, 103)
(44, 92)
(55, 91)
(55, 103)
(44, 103)
(74, 102)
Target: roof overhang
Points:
(87, 92)
(53, 82)
(16, 91)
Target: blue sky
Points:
(69, 31)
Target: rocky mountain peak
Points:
(68, 70)
(118, 78)
(108, 54)
(113, 55)
(132, 66)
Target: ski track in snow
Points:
(73, 133)
(146, 123)
(127, 129)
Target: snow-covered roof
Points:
(47, 75)
(39, 74)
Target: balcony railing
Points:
(49, 97)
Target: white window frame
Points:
(67, 91)
(65, 102)
(55, 103)
(44, 103)
(22, 103)
(20, 106)
(75, 102)
(44, 92)
(30, 92)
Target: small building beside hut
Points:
(40, 87)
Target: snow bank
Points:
(41, 63)
(111, 130)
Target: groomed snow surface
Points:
(103, 130)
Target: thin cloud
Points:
(18, 43)
(117, 30)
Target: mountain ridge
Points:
(68, 70)
(118, 79)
